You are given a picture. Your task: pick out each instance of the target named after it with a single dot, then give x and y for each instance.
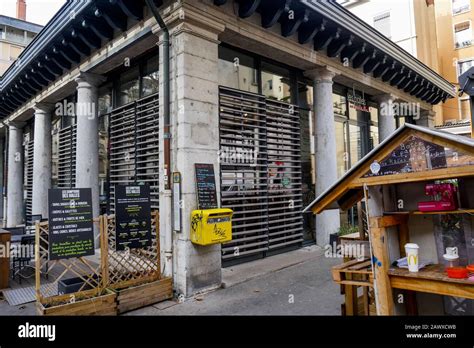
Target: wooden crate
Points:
(143, 295)
(105, 304)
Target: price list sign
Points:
(133, 216)
(71, 229)
(206, 186)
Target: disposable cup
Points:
(411, 250)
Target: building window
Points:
(465, 66)
(237, 70)
(150, 79)
(382, 24)
(276, 82)
(128, 87)
(461, 6)
(462, 34)
(465, 108)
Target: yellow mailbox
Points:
(211, 226)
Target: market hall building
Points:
(282, 97)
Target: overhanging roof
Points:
(348, 189)
(334, 30)
(77, 29)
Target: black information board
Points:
(206, 186)
(71, 229)
(133, 216)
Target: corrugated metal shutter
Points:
(29, 145)
(134, 146)
(67, 157)
(260, 166)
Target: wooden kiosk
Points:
(392, 179)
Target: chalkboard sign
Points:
(414, 155)
(132, 217)
(71, 230)
(206, 186)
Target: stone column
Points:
(386, 120)
(327, 222)
(15, 175)
(194, 139)
(427, 118)
(87, 147)
(42, 159)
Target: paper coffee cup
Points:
(411, 250)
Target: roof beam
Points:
(100, 28)
(273, 11)
(374, 64)
(111, 17)
(323, 39)
(361, 60)
(351, 52)
(289, 24)
(68, 55)
(308, 31)
(90, 39)
(131, 8)
(335, 48)
(56, 68)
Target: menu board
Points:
(415, 155)
(206, 186)
(71, 230)
(132, 217)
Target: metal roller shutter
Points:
(29, 145)
(260, 167)
(134, 146)
(67, 157)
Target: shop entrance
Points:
(261, 180)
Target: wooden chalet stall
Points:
(392, 180)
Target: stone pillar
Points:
(42, 159)
(327, 222)
(194, 139)
(87, 147)
(427, 118)
(15, 175)
(386, 120)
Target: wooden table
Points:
(5, 237)
(431, 279)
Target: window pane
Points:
(237, 70)
(465, 109)
(150, 79)
(464, 66)
(355, 143)
(341, 148)
(276, 82)
(339, 104)
(462, 34)
(105, 99)
(128, 87)
(461, 6)
(382, 24)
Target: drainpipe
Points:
(166, 118)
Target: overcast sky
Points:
(37, 11)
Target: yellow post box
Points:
(211, 226)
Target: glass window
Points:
(465, 66)
(382, 24)
(276, 82)
(355, 144)
(465, 109)
(460, 6)
(340, 105)
(150, 79)
(341, 148)
(128, 90)
(462, 34)
(237, 70)
(105, 99)
(374, 129)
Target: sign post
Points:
(71, 230)
(132, 217)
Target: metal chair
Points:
(22, 261)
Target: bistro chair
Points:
(21, 261)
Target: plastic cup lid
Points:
(412, 246)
